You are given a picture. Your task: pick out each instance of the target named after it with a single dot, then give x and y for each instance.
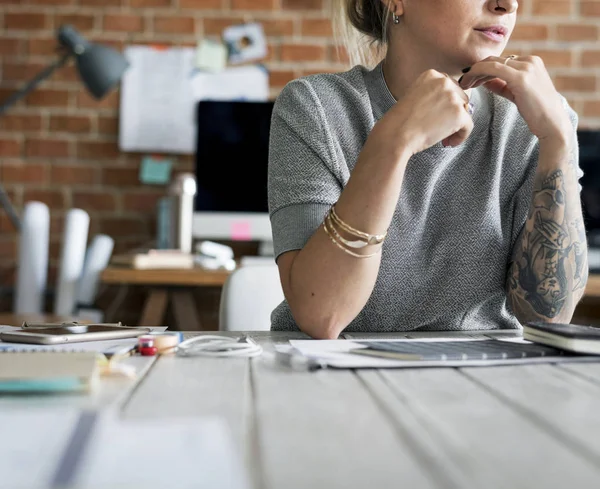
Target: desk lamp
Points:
(100, 69)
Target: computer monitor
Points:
(231, 171)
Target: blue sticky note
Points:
(155, 171)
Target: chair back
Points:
(248, 297)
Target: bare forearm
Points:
(549, 270)
(328, 287)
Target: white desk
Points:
(504, 427)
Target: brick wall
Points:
(60, 146)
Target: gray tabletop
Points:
(528, 427)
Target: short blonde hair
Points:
(361, 27)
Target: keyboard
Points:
(461, 350)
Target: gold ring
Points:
(469, 107)
(512, 56)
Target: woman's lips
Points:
(492, 34)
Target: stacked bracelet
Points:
(364, 239)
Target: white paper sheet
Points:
(194, 453)
(337, 354)
(246, 83)
(157, 102)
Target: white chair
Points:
(249, 296)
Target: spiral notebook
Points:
(35, 372)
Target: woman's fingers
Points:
(492, 67)
(499, 87)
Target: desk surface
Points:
(527, 426)
(196, 277)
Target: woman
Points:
(437, 191)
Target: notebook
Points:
(571, 337)
(29, 372)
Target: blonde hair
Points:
(361, 27)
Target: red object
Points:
(145, 342)
(148, 351)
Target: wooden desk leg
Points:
(184, 309)
(155, 308)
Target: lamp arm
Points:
(41, 76)
(14, 98)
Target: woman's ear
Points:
(395, 6)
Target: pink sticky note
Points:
(240, 231)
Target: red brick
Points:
(590, 58)
(338, 54)
(530, 32)
(175, 25)
(589, 9)
(317, 28)
(73, 175)
(201, 4)
(279, 78)
(97, 150)
(552, 7)
(575, 83)
(104, 3)
(21, 122)
(47, 148)
(150, 3)
(123, 23)
(254, 4)
(591, 108)
(94, 201)
(21, 172)
(278, 27)
(50, 2)
(20, 71)
(122, 226)
(43, 46)
(108, 125)
(11, 47)
(26, 21)
(554, 58)
(214, 26)
(68, 73)
(48, 98)
(54, 199)
(577, 32)
(302, 4)
(10, 147)
(70, 123)
(302, 52)
(8, 247)
(120, 176)
(143, 201)
(80, 21)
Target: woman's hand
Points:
(524, 81)
(434, 109)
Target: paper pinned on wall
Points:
(211, 55)
(245, 42)
(247, 83)
(157, 101)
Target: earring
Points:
(396, 19)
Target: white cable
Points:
(219, 346)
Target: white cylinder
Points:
(32, 265)
(77, 224)
(96, 260)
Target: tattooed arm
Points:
(548, 271)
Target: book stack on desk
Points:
(154, 259)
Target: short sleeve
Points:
(302, 182)
(522, 202)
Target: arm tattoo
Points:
(551, 262)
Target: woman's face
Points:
(460, 32)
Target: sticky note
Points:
(211, 55)
(240, 231)
(155, 171)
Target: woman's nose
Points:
(503, 6)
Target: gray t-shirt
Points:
(460, 210)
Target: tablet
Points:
(572, 337)
(71, 334)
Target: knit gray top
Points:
(459, 213)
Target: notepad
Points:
(25, 372)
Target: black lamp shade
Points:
(100, 68)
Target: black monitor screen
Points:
(232, 156)
(589, 160)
